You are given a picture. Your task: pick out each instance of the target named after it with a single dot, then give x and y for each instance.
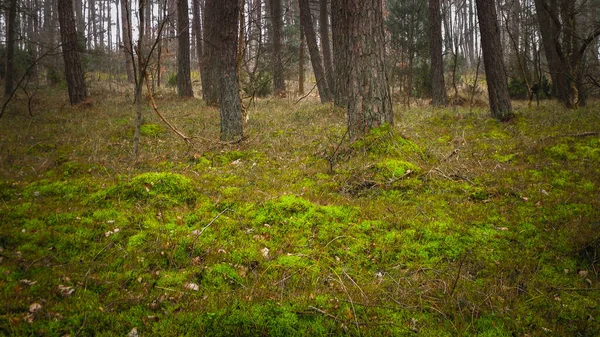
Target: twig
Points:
(212, 221)
(185, 138)
(324, 313)
(458, 274)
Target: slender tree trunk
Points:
(438, 85)
(73, 69)
(11, 34)
(325, 45)
(197, 27)
(227, 43)
(313, 49)
(301, 63)
(210, 63)
(495, 72)
(184, 81)
(369, 99)
(339, 27)
(277, 26)
(127, 38)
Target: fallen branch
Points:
(185, 138)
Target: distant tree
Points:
(125, 12)
(73, 70)
(438, 85)
(565, 42)
(369, 100)
(209, 72)
(11, 34)
(339, 27)
(325, 45)
(184, 82)
(197, 27)
(315, 57)
(226, 46)
(277, 64)
(495, 72)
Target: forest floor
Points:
(449, 223)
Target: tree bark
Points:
(11, 34)
(325, 46)
(226, 45)
(127, 46)
(73, 70)
(301, 63)
(210, 72)
(315, 57)
(197, 27)
(369, 99)
(277, 64)
(438, 85)
(495, 72)
(340, 69)
(184, 81)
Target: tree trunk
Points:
(127, 45)
(184, 81)
(495, 72)
(369, 99)
(325, 46)
(11, 34)
(301, 63)
(197, 27)
(278, 71)
(210, 72)
(227, 43)
(564, 48)
(438, 85)
(73, 69)
(340, 70)
(313, 49)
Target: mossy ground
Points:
(449, 223)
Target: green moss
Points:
(151, 130)
(159, 189)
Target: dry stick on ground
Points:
(185, 138)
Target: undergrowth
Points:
(448, 223)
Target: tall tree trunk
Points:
(277, 26)
(11, 34)
(210, 72)
(438, 85)
(226, 39)
(73, 70)
(315, 57)
(184, 81)
(369, 99)
(301, 63)
(127, 38)
(339, 28)
(197, 27)
(495, 72)
(325, 46)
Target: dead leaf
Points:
(265, 252)
(27, 282)
(133, 333)
(192, 286)
(35, 307)
(65, 291)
